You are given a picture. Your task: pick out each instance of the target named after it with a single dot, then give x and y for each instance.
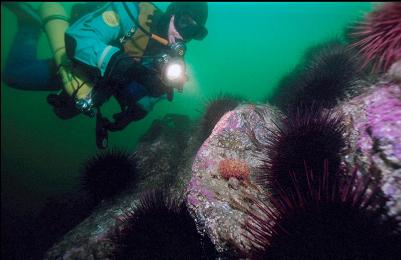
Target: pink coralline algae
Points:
(222, 173)
(384, 117)
(376, 121)
(233, 168)
(228, 121)
(195, 184)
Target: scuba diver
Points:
(131, 51)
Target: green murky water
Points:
(250, 46)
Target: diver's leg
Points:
(22, 69)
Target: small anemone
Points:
(339, 216)
(215, 108)
(233, 168)
(160, 228)
(108, 173)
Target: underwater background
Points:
(249, 48)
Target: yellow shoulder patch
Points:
(110, 18)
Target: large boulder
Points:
(219, 178)
(373, 131)
(224, 171)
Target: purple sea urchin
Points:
(215, 108)
(337, 217)
(312, 136)
(327, 74)
(107, 173)
(378, 37)
(160, 228)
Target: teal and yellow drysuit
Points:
(102, 43)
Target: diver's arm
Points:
(88, 39)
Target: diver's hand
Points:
(172, 32)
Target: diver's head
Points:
(189, 19)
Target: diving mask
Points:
(188, 28)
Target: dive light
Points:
(172, 66)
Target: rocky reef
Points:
(373, 134)
(164, 157)
(218, 177)
(373, 123)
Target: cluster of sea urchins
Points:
(339, 216)
(329, 73)
(378, 37)
(160, 227)
(108, 173)
(316, 209)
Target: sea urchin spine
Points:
(337, 217)
(327, 74)
(378, 37)
(311, 135)
(108, 173)
(215, 108)
(160, 227)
